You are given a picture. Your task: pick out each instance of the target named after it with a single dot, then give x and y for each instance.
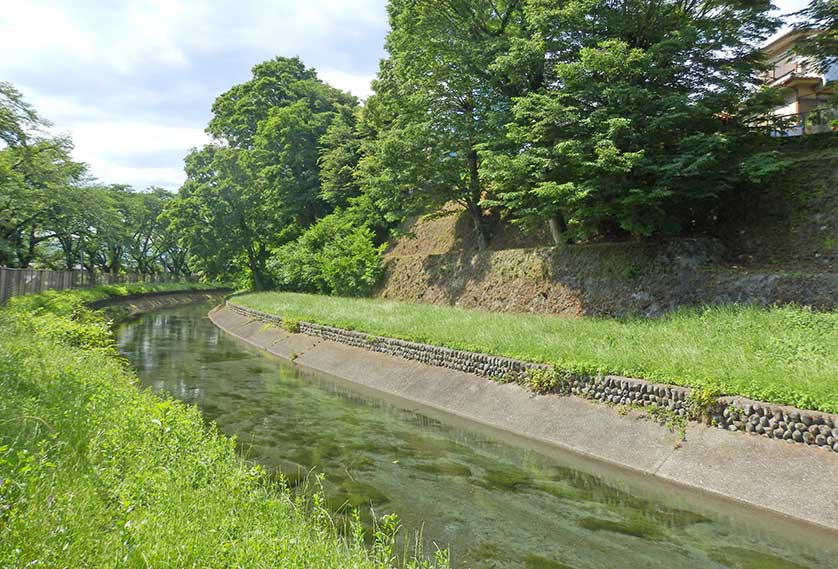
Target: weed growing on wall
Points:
(291, 325)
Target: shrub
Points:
(291, 325)
(546, 380)
(334, 256)
(351, 265)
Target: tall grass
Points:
(95, 472)
(784, 355)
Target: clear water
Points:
(494, 501)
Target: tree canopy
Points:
(54, 215)
(628, 134)
(258, 185)
(605, 119)
(819, 21)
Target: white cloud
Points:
(141, 177)
(357, 84)
(119, 39)
(132, 81)
(110, 148)
(109, 144)
(125, 138)
(125, 37)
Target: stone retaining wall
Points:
(731, 413)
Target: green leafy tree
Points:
(35, 171)
(438, 105)
(148, 241)
(81, 224)
(111, 228)
(629, 133)
(258, 186)
(54, 215)
(222, 217)
(19, 122)
(38, 182)
(339, 154)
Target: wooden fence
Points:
(16, 282)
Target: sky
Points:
(132, 82)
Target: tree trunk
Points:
(257, 266)
(481, 228)
(69, 254)
(26, 256)
(558, 227)
(258, 281)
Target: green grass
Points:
(783, 355)
(95, 472)
(61, 302)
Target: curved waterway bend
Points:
(493, 500)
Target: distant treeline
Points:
(54, 215)
(598, 118)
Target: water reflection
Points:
(495, 505)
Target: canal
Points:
(495, 501)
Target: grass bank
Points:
(95, 472)
(786, 355)
(58, 301)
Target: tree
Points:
(148, 242)
(819, 21)
(221, 217)
(336, 255)
(36, 181)
(438, 105)
(19, 122)
(55, 215)
(36, 175)
(625, 137)
(338, 157)
(258, 185)
(236, 114)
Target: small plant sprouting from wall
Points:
(701, 404)
(291, 325)
(546, 380)
(668, 418)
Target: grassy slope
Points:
(97, 473)
(784, 355)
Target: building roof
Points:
(784, 41)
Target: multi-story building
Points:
(808, 90)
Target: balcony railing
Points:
(811, 122)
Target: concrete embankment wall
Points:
(147, 302)
(796, 480)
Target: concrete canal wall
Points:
(796, 480)
(147, 302)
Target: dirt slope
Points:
(778, 245)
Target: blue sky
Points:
(133, 81)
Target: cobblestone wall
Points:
(732, 413)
